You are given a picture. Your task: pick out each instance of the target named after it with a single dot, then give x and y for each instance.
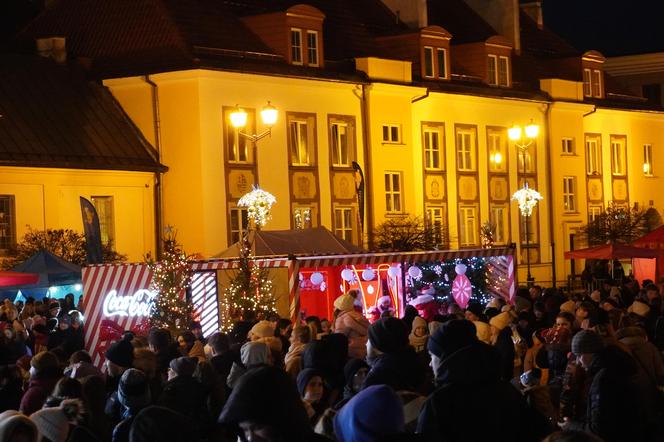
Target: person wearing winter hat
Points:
(501, 337)
(80, 366)
(161, 424)
(299, 338)
(183, 393)
(373, 414)
(393, 361)
(15, 426)
(639, 308)
(568, 306)
(352, 324)
(252, 355)
(615, 409)
(55, 423)
(467, 373)
(474, 311)
(53, 309)
(262, 329)
(134, 395)
(252, 418)
(44, 374)
(419, 334)
(119, 357)
(311, 388)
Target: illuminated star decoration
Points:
(527, 199)
(258, 203)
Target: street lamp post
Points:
(269, 116)
(527, 198)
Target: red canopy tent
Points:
(655, 241)
(10, 279)
(612, 251)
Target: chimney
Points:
(412, 12)
(502, 15)
(534, 10)
(53, 47)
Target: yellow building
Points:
(64, 138)
(418, 94)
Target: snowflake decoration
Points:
(258, 203)
(527, 199)
(438, 270)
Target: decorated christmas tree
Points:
(170, 279)
(250, 291)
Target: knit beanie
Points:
(531, 378)
(372, 414)
(639, 308)
(452, 336)
(254, 353)
(388, 335)
(52, 423)
(121, 353)
(262, 329)
(345, 302)
(304, 377)
(501, 320)
(133, 391)
(587, 341)
(184, 366)
(53, 305)
(44, 362)
(419, 322)
(10, 420)
(568, 306)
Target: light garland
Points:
(527, 199)
(258, 203)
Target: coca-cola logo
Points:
(138, 304)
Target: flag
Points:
(359, 190)
(92, 232)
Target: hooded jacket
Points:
(356, 328)
(469, 379)
(401, 370)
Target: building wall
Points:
(49, 199)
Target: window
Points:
(526, 160)
(593, 157)
(532, 228)
(500, 220)
(467, 226)
(618, 159)
(296, 46)
(435, 219)
(432, 138)
(569, 194)
(391, 133)
(393, 192)
(428, 62)
(592, 83)
(312, 48)
(301, 139)
(343, 223)
(594, 211)
(342, 142)
(492, 70)
(238, 148)
(497, 151)
(442, 64)
(7, 224)
(104, 207)
(239, 221)
(302, 217)
(503, 71)
(647, 160)
(465, 150)
(568, 146)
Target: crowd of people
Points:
(543, 367)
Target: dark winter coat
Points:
(401, 370)
(505, 347)
(473, 404)
(187, 396)
(614, 411)
(10, 395)
(39, 388)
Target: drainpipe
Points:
(550, 192)
(158, 197)
(368, 175)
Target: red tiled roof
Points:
(53, 117)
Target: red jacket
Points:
(38, 390)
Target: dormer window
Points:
(435, 62)
(296, 46)
(312, 48)
(592, 83)
(498, 70)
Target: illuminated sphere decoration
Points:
(415, 272)
(316, 278)
(258, 203)
(393, 271)
(368, 274)
(347, 275)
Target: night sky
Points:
(611, 27)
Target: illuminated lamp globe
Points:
(238, 117)
(368, 274)
(393, 271)
(497, 158)
(347, 275)
(514, 133)
(269, 115)
(415, 272)
(317, 278)
(532, 130)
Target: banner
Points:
(92, 232)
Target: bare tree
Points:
(617, 224)
(408, 234)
